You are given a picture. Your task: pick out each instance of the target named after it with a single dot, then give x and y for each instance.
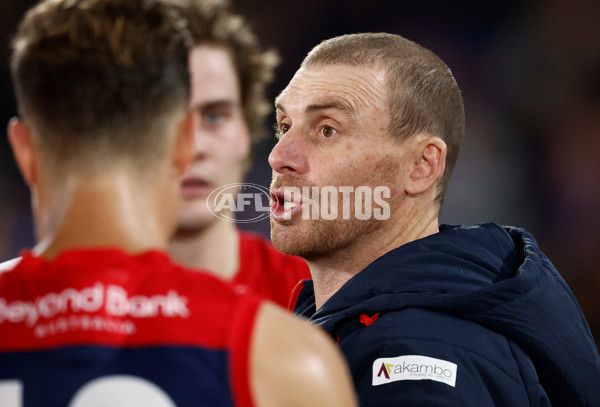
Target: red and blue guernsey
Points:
(101, 327)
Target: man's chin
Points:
(282, 240)
(293, 241)
(193, 225)
(291, 249)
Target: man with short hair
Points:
(425, 314)
(229, 73)
(97, 313)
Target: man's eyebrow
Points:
(213, 105)
(329, 104)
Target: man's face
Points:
(333, 123)
(222, 137)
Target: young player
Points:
(229, 73)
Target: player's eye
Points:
(213, 118)
(327, 131)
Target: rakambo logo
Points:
(224, 202)
(413, 367)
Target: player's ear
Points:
(184, 144)
(21, 143)
(429, 163)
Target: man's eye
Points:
(328, 131)
(281, 129)
(213, 118)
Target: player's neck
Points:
(330, 273)
(214, 248)
(105, 211)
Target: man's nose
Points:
(289, 156)
(202, 139)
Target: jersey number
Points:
(116, 391)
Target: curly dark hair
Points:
(213, 22)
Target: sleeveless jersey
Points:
(101, 327)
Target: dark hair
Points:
(98, 78)
(212, 22)
(423, 95)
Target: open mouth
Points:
(283, 207)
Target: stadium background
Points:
(530, 76)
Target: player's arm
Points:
(295, 364)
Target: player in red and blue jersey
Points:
(229, 72)
(96, 313)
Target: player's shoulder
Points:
(294, 337)
(299, 360)
(10, 264)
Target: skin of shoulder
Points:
(295, 364)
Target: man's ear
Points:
(184, 144)
(428, 165)
(21, 143)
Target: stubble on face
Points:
(362, 154)
(314, 239)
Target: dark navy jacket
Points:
(471, 316)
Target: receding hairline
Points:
(333, 102)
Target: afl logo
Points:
(228, 201)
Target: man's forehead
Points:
(340, 87)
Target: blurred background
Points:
(530, 76)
